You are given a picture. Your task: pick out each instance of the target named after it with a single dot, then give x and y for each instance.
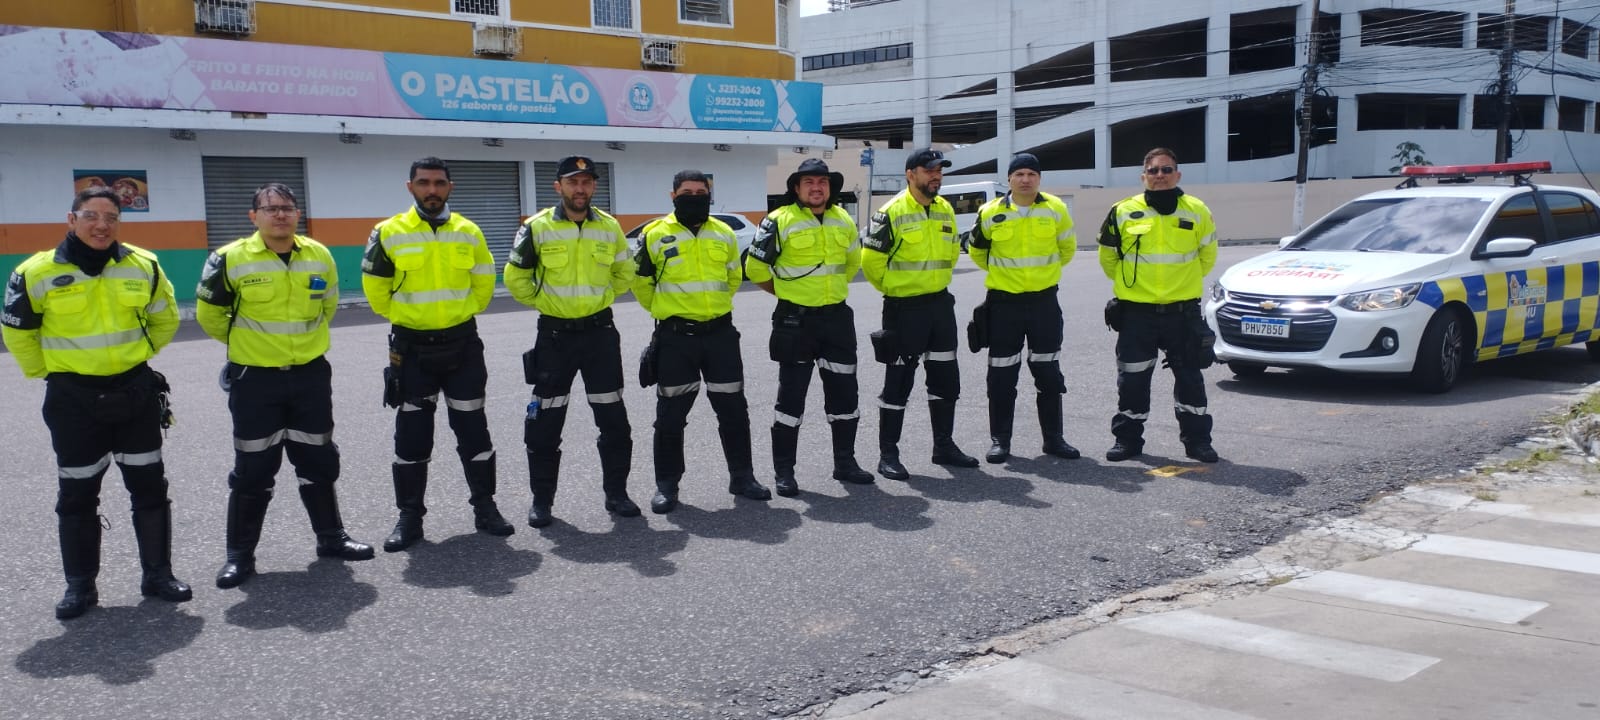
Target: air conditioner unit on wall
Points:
(225, 17)
(660, 53)
(496, 40)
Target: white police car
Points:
(1421, 280)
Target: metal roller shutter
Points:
(544, 179)
(230, 187)
(489, 194)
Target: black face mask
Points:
(1164, 201)
(691, 210)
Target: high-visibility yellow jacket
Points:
(423, 278)
(1023, 249)
(813, 259)
(59, 319)
(270, 313)
(1155, 258)
(568, 270)
(919, 247)
(686, 274)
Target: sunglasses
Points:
(1162, 170)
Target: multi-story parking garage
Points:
(1090, 85)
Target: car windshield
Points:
(1422, 225)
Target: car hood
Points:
(1293, 272)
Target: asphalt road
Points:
(725, 608)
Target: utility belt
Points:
(119, 398)
(1002, 296)
(685, 326)
(1180, 307)
(786, 307)
(937, 297)
(403, 338)
(602, 319)
(317, 362)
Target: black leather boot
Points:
(539, 513)
(845, 469)
(616, 460)
(246, 512)
(785, 446)
(744, 484)
(942, 418)
(890, 423)
(152, 529)
(543, 476)
(410, 487)
(1050, 426)
(80, 562)
(1002, 414)
(481, 483)
(999, 450)
(322, 506)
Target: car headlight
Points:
(1392, 298)
(1218, 292)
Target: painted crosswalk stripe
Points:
(1457, 501)
(1324, 653)
(1088, 698)
(1414, 596)
(1515, 553)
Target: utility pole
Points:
(1308, 89)
(1502, 136)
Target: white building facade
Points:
(1090, 85)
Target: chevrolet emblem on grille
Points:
(1269, 305)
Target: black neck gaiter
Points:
(88, 259)
(691, 210)
(1164, 201)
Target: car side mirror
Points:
(1507, 248)
(1284, 241)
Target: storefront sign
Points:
(51, 66)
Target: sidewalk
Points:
(1469, 598)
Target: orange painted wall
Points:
(172, 235)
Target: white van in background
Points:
(966, 198)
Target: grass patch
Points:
(1486, 495)
(1277, 580)
(1533, 460)
(1588, 406)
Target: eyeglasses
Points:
(92, 216)
(1162, 170)
(278, 209)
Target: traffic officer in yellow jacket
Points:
(570, 262)
(428, 271)
(909, 255)
(269, 297)
(87, 316)
(1157, 248)
(688, 271)
(806, 252)
(1023, 239)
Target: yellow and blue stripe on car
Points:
(1522, 311)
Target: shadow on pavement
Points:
(630, 541)
(976, 485)
(483, 564)
(1492, 380)
(868, 504)
(116, 644)
(751, 520)
(320, 599)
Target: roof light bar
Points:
(1488, 169)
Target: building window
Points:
(1570, 113)
(1527, 112)
(490, 8)
(716, 12)
(613, 14)
(1413, 28)
(1404, 111)
(857, 57)
(1575, 38)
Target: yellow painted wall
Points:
(754, 23)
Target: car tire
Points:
(1594, 350)
(1442, 355)
(1246, 369)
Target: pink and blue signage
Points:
(51, 66)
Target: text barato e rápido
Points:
(274, 79)
(494, 93)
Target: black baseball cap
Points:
(926, 158)
(1023, 161)
(575, 165)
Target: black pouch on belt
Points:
(647, 364)
(1202, 342)
(886, 346)
(789, 341)
(978, 328)
(393, 394)
(530, 367)
(1114, 314)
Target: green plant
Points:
(1407, 154)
